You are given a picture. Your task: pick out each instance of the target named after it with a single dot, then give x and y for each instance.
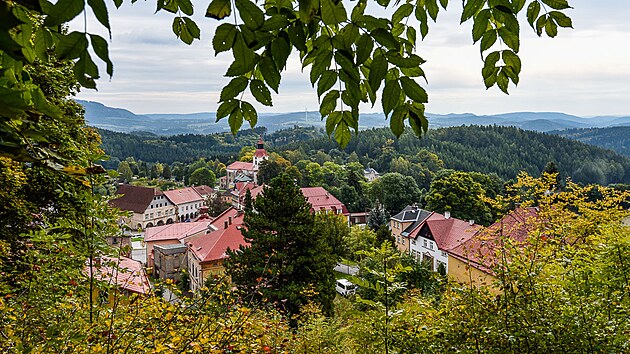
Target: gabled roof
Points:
(242, 187)
(220, 220)
(204, 190)
(243, 178)
(480, 249)
(214, 245)
(177, 231)
(135, 198)
(260, 153)
(421, 216)
(319, 199)
(240, 165)
(451, 232)
(183, 196)
(410, 213)
(127, 273)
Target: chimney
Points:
(447, 214)
(230, 220)
(225, 224)
(471, 222)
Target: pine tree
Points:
(288, 262)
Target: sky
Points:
(584, 71)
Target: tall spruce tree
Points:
(289, 261)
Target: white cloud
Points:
(584, 71)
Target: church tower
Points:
(260, 154)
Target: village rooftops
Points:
(127, 273)
(321, 199)
(204, 190)
(480, 249)
(183, 196)
(240, 165)
(214, 245)
(135, 198)
(177, 231)
(411, 213)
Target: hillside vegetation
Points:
(502, 150)
(614, 138)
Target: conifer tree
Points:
(288, 262)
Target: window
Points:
(151, 215)
(424, 243)
(146, 216)
(413, 242)
(159, 213)
(444, 254)
(430, 245)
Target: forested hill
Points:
(501, 150)
(613, 138)
(489, 149)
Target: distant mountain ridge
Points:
(123, 120)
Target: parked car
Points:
(345, 287)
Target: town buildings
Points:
(240, 171)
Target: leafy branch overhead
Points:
(353, 57)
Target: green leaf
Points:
(63, 11)
(332, 121)
(219, 9)
(100, 12)
(557, 4)
(391, 96)
(540, 24)
(274, 23)
(561, 19)
(223, 39)
(226, 108)
(512, 60)
(329, 103)
(421, 15)
(488, 39)
(260, 91)
(481, 24)
(432, 9)
(297, 36)
(250, 13)
(86, 71)
(402, 62)
(551, 28)
(365, 44)
(235, 120)
(244, 58)
(378, 70)
(99, 44)
(413, 90)
(280, 49)
(342, 134)
(72, 45)
(444, 3)
(351, 119)
(503, 81)
(470, 9)
(532, 12)
(186, 29)
(402, 12)
(417, 119)
(397, 120)
(185, 6)
(386, 39)
(326, 81)
(509, 38)
(270, 73)
(233, 88)
(308, 9)
(249, 113)
(332, 13)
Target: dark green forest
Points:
(491, 149)
(613, 138)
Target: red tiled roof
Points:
(126, 272)
(219, 221)
(260, 153)
(177, 231)
(451, 232)
(240, 165)
(203, 190)
(319, 198)
(214, 246)
(135, 198)
(183, 196)
(480, 249)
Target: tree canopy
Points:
(352, 55)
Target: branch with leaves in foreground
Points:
(353, 56)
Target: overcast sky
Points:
(584, 71)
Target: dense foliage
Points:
(613, 138)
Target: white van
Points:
(345, 287)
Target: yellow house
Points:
(472, 262)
